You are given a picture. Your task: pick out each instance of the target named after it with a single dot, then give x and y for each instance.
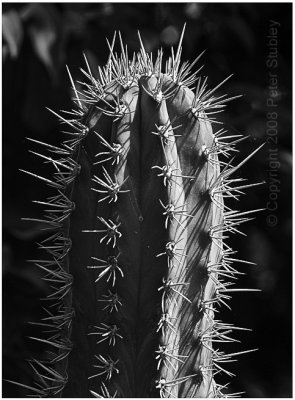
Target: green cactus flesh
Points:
(137, 260)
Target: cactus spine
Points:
(137, 260)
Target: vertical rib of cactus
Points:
(85, 247)
(64, 303)
(136, 211)
(168, 352)
(153, 240)
(87, 209)
(125, 133)
(52, 373)
(194, 321)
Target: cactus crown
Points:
(137, 259)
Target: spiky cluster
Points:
(139, 192)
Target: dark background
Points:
(38, 40)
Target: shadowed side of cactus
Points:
(136, 258)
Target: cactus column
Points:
(137, 258)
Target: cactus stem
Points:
(202, 275)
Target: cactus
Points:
(137, 260)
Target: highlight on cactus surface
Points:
(137, 255)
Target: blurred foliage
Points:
(38, 40)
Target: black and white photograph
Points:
(147, 199)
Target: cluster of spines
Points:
(60, 207)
